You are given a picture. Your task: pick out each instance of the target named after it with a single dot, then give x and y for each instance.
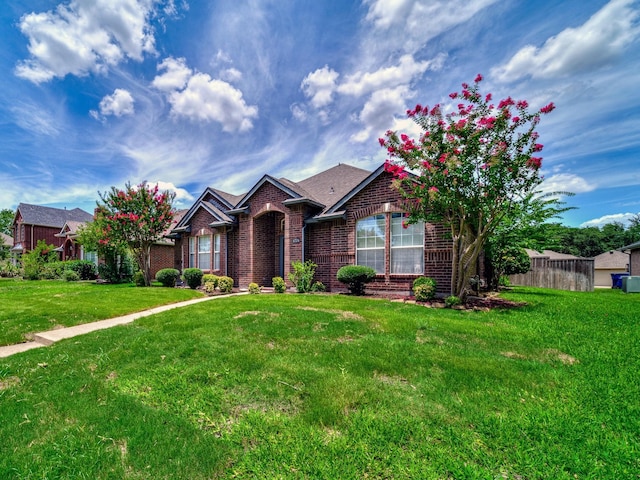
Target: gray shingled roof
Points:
(51, 217)
(550, 254)
(229, 197)
(330, 186)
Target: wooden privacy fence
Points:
(561, 274)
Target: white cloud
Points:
(175, 76)
(208, 99)
(298, 112)
(416, 21)
(320, 85)
(566, 182)
(360, 83)
(598, 42)
(85, 36)
(231, 75)
(181, 194)
(118, 104)
(380, 110)
(623, 218)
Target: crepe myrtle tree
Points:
(136, 216)
(470, 169)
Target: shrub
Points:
(138, 279)
(452, 301)
(254, 288)
(210, 278)
(209, 287)
(225, 284)
(8, 269)
(424, 288)
(302, 275)
(192, 277)
(52, 270)
(318, 287)
(33, 262)
(279, 285)
(85, 269)
(70, 276)
(355, 277)
(168, 277)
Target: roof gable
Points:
(288, 187)
(611, 259)
(330, 186)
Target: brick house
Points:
(163, 251)
(32, 223)
(342, 216)
(71, 248)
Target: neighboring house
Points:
(634, 258)
(32, 223)
(163, 251)
(561, 271)
(70, 248)
(606, 263)
(341, 216)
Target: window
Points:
(407, 246)
(192, 252)
(370, 242)
(216, 251)
(90, 256)
(404, 249)
(204, 252)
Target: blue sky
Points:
(196, 93)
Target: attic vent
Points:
(331, 191)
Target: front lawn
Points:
(313, 386)
(29, 306)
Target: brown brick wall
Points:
(199, 227)
(162, 256)
(332, 244)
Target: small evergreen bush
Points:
(138, 279)
(209, 287)
(70, 276)
(254, 288)
(452, 301)
(424, 289)
(279, 285)
(168, 277)
(356, 277)
(225, 284)
(210, 277)
(192, 277)
(85, 269)
(318, 287)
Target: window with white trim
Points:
(370, 242)
(204, 252)
(407, 246)
(216, 251)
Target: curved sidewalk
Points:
(43, 339)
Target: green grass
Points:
(297, 386)
(28, 307)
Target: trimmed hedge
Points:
(356, 277)
(192, 277)
(424, 289)
(168, 277)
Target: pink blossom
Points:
(454, 95)
(381, 141)
(488, 97)
(505, 103)
(534, 163)
(515, 119)
(478, 78)
(522, 104)
(404, 137)
(548, 108)
(537, 147)
(433, 189)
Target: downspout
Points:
(304, 227)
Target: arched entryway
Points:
(268, 247)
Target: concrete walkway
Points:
(44, 339)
